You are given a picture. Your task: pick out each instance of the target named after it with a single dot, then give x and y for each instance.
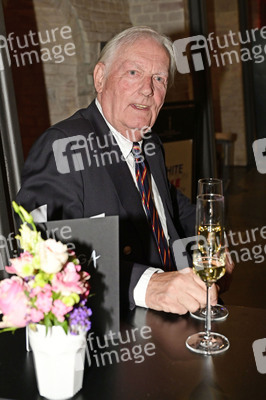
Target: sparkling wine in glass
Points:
(211, 186)
(209, 264)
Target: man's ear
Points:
(98, 76)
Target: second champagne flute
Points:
(209, 265)
(211, 186)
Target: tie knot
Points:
(136, 147)
(137, 152)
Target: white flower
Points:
(53, 255)
(28, 238)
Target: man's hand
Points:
(178, 292)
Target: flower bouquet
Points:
(47, 293)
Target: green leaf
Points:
(15, 206)
(47, 322)
(11, 329)
(33, 327)
(55, 295)
(65, 326)
(27, 217)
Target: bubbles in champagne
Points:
(209, 259)
(214, 236)
(209, 269)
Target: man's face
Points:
(133, 90)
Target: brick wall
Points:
(49, 91)
(70, 83)
(169, 17)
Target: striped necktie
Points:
(143, 180)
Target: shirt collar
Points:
(124, 143)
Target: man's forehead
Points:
(142, 64)
(136, 54)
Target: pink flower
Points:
(38, 289)
(13, 302)
(60, 309)
(70, 281)
(22, 266)
(44, 300)
(36, 315)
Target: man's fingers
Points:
(177, 292)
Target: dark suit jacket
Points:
(77, 169)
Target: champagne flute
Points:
(211, 186)
(209, 264)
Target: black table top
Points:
(151, 361)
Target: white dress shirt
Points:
(125, 146)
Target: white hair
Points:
(129, 36)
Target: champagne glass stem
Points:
(208, 312)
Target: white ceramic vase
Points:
(59, 361)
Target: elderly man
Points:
(124, 173)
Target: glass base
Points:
(215, 343)
(218, 313)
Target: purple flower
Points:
(79, 319)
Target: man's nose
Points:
(147, 86)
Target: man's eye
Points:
(132, 72)
(160, 79)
